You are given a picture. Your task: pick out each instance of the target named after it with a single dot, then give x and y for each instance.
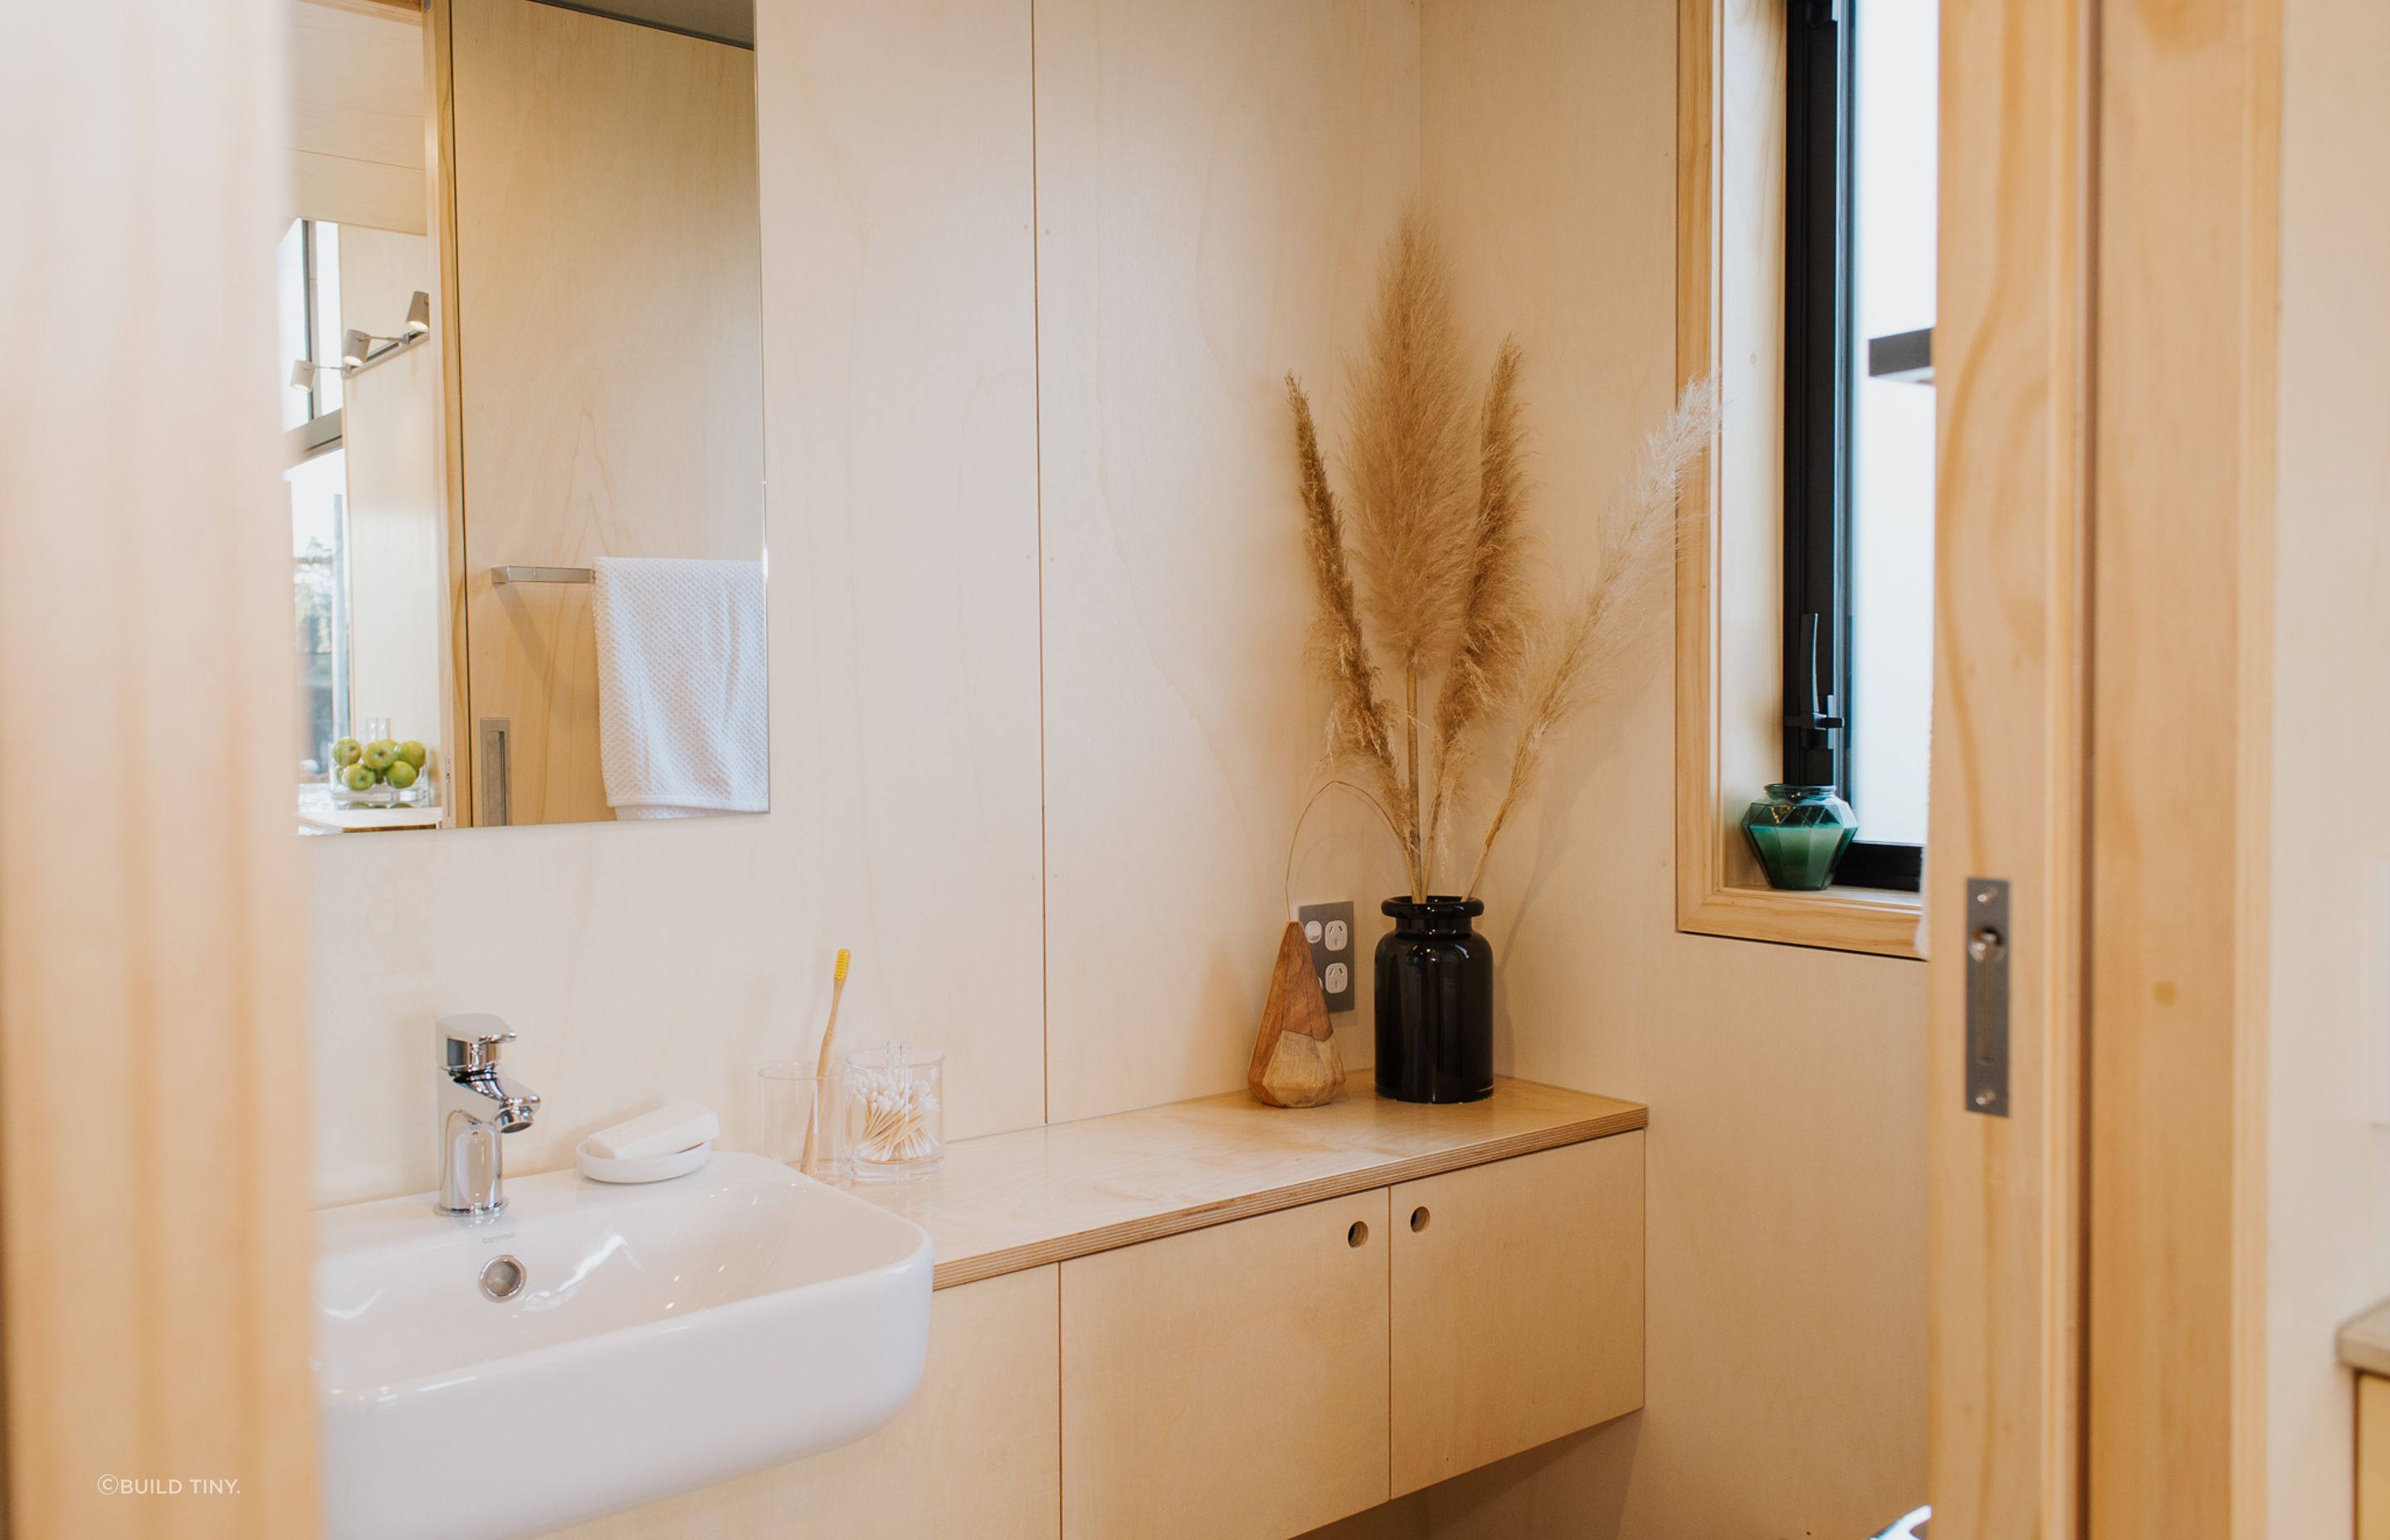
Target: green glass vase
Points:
(1799, 834)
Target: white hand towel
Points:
(683, 720)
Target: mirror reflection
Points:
(524, 414)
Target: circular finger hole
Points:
(1418, 1219)
(1358, 1235)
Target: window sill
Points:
(1875, 920)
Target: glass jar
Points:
(1800, 834)
(895, 1113)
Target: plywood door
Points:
(1230, 1383)
(608, 321)
(976, 1452)
(2100, 742)
(1518, 1306)
(2180, 748)
(153, 946)
(2008, 745)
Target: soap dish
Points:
(647, 1168)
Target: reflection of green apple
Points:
(413, 753)
(347, 752)
(359, 777)
(380, 754)
(401, 774)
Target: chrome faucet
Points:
(476, 1105)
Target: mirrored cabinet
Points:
(522, 328)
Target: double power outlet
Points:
(1328, 929)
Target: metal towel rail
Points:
(543, 574)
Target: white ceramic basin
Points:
(665, 1336)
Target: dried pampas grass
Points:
(1408, 461)
(1360, 729)
(1408, 454)
(1438, 536)
(1496, 615)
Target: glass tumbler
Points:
(801, 1120)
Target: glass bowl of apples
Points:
(380, 771)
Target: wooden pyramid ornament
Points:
(1295, 1061)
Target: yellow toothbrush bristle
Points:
(843, 957)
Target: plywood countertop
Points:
(2364, 1342)
(1007, 1201)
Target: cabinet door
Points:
(1518, 1306)
(2372, 1457)
(1229, 1383)
(974, 1453)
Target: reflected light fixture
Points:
(302, 374)
(358, 347)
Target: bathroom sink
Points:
(595, 1347)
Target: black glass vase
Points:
(1435, 1003)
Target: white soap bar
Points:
(661, 1131)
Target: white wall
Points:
(2328, 1166)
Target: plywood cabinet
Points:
(2372, 1457)
(1246, 1378)
(1517, 1305)
(1229, 1383)
(1256, 1379)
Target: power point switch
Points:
(1328, 929)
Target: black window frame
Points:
(1818, 382)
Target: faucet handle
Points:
(471, 1042)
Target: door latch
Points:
(1987, 997)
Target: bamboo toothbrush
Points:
(822, 1070)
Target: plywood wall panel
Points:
(2179, 554)
(644, 964)
(1785, 1334)
(1215, 183)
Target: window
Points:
(1860, 110)
(307, 298)
(319, 550)
(307, 290)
